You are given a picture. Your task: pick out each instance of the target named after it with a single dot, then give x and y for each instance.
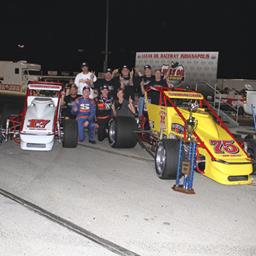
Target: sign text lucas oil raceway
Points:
(198, 66)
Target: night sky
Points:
(52, 32)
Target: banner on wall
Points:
(191, 67)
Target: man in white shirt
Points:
(85, 79)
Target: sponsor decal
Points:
(37, 123)
(162, 119)
(177, 128)
(185, 95)
(41, 86)
(10, 87)
(224, 147)
(156, 55)
(107, 105)
(151, 124)
(176, 75)
(231, 155)
(198, 66)
(84, 107)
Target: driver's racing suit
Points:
(104, 114)
(85, 111)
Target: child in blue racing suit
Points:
(85, 111)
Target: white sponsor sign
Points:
(198, 66)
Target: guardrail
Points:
(217, 101)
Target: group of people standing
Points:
(93, 102)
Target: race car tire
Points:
(70, 135)
(121, 132)
(166, 159)
(251, 150)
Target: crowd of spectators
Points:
(93, 102)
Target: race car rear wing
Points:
(44, 87)
(47, 86)
(184, 95)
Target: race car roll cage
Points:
(164, 100)
(14, 123)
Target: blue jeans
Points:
(141, 105)
(81, 133)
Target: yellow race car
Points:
(219, 155)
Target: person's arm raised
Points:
(114, 110)
(130, 106)
(142, 87)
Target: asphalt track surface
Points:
(23, 232)
(116, 196)
(71, 226)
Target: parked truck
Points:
(14, 77)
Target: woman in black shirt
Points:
(121, 106)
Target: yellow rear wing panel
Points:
(184, 95)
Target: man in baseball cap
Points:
(125, 70)
(108, 74)
(125, 66)
(84, 108)
(107, 80)
(145, 80)
(103, 87)
(84, 64)
(85, 78)
(109, 70)
(127, 82)
(147, 67)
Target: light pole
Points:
(106, 37)
(21, 51)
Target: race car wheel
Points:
(121, 132)
(166, 159)
(70, 135)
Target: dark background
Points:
(52, 32)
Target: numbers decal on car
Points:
(37, 123)
(162, 119)
(224, 146)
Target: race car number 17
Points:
(224, 146)
(37, 123)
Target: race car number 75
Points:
(224, 146)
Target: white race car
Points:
(40, 123)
